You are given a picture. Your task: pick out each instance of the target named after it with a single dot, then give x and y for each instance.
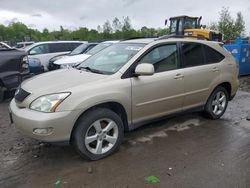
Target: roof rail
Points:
(178, 36)
(131, 38)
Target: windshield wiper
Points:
(91, 70)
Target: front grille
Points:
(21, 94)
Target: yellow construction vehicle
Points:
(190, 27)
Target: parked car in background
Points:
(122, 87)
(12, 70)
(83, 48)
(77, 59)
(3, 45)
(24, 44)
(44, 51)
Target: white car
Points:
(24, 44)
(44, 51)
(68, 61)
(3, 45)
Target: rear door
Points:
(201, 71)
(161, 93)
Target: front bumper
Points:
(27, 121)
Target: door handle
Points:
(178, 76)
(215, 69)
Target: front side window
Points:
(112, 58)
(192, 54)
(164, 58)
(40, 49)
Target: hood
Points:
(75, 59)
(60, 81)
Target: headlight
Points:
(48, 103)
(25, 58)
(34, 62)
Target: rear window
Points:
(212, 56)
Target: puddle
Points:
(184, 126)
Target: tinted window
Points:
(40, 49)
(212, 56)
(192, 54)
(163, 58)
(62, 47)
(72, 46)
(57, 47)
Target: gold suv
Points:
(122, 87)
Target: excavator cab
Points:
(190, 27)
(180, 23)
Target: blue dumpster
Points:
(240, 49)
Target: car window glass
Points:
(212, 56)
(164, 58)
(192, 54)
(173, 26)
(56, 47)
(40, 49)
(73, 46)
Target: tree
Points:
(239, 25)
(117, 25)
(231, 29)
(126, 24)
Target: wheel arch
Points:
(226, 85)
(113, 106)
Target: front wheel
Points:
(98, 134)
(217, 103)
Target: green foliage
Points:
(115, 30)
(230, 28)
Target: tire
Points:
(217, 103)
(92, 131)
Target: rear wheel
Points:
(98, 134)
(217, 103)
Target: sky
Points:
(72, 14)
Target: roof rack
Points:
(178, 36)
(131, 38)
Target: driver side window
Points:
(164, 58)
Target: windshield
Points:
(98, 48)
(190, 23)
(79, 49)
(111, 59)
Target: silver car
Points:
(122, 87)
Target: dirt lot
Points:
(186, 151)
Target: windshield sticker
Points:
(133, 48)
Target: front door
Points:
(162, 93)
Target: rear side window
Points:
(192, 54)
(212, 56)
(62, 47)
(57, 47)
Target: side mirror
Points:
(144, 69)
(166, 21)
